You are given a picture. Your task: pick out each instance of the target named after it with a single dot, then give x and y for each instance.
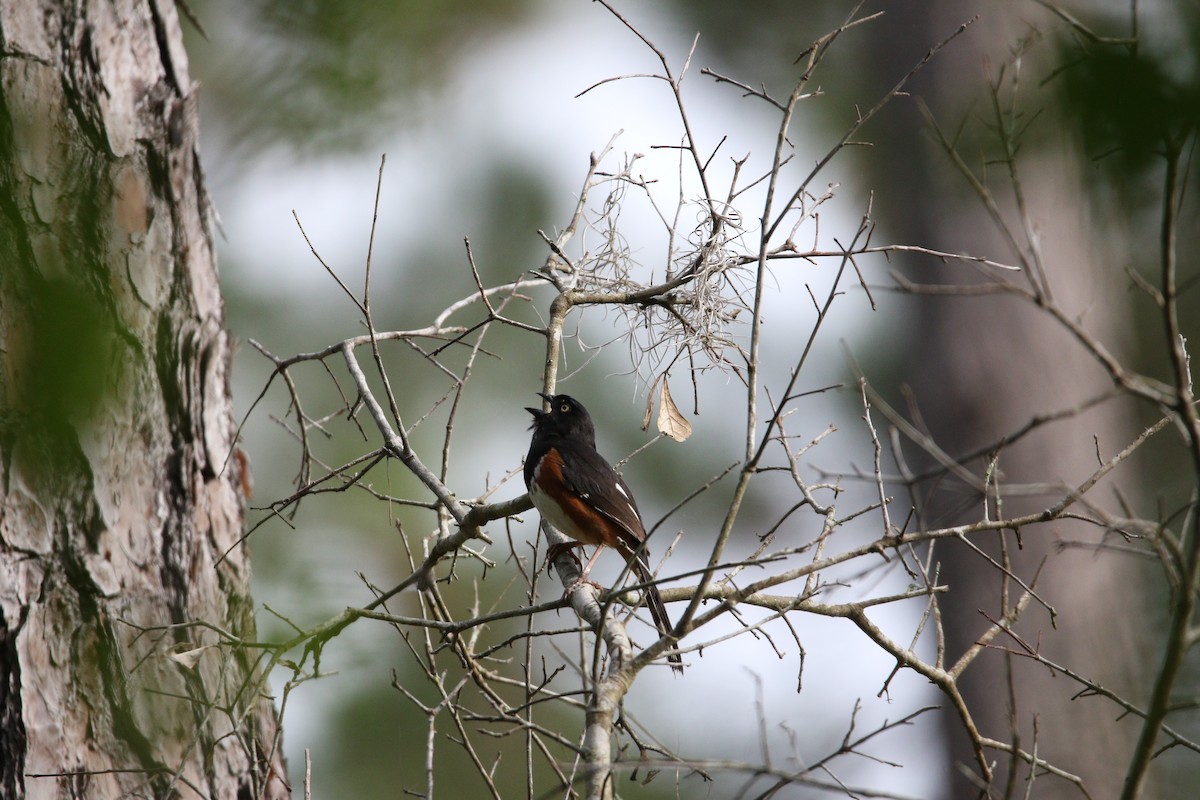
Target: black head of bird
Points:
(566, 417)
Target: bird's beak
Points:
(537, 412)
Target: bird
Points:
(578, 492)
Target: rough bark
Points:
(118, 492)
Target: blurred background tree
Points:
(472, 103)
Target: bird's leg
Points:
(588, 569)
(583, 576)
(561, 548)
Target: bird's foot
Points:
(559, 549)
(580, 581)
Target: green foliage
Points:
(62, 361)
(72, 347)
(1130, 102)
(322, 75)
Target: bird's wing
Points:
(588, 475)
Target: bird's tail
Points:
(657, 609)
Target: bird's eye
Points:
(564, 408)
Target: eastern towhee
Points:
(580, 494)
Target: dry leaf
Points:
(670, 420)
(188, 658)
(649, 403)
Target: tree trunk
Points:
(121, 496)
(981, 367)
